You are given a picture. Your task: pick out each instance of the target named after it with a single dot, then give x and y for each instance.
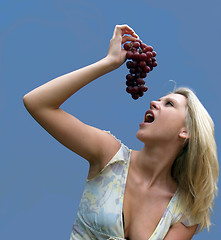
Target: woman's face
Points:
(165, 120)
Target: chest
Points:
(143, 210)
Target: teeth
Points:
(149, 115)
(149, 118)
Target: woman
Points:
(166, 190)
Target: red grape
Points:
(142, 60)
(143, 88)
(139, 69)
(133, 70)
(146, 69)
(129, 64)
(140, 81)
(129, 77)
(126, 46)
(136, 45)
(143, 45)
(129, 89)
(135, 89)
(141, 94)
(136, 56)
(154, 64)
(142, 63)
(149, 54)
(143, 74)
(134, 64)
(154, 54)
(129, 55)
(149, 60)
(149, 48)
(128, 83)
(143, 56)
(135, 96)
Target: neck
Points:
(153, 164)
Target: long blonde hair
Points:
(196, 169)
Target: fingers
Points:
(128, 38)
(120, 30)
(128, 30)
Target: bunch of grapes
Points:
(141, 60)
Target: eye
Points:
(169, 103)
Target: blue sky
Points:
(41, 182)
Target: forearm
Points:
(53, 93)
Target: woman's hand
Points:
(116, 54)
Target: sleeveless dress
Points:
(100, 213)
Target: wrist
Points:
(111, 63)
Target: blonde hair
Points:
(196, 169)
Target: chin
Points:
(149, 139)
(141, 136)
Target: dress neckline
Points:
(121, 209)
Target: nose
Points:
(154, 105)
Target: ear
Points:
(183, 134)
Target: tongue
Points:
(149, 119)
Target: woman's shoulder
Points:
(123, 153)
(121, 156)
(123, 147)
(180, 213)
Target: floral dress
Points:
(101, 207)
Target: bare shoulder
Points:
(109, 146)
(184, 233)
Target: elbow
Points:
(25, 100)
(28, 102)
(34, 103)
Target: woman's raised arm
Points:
(44, 102)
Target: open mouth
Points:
(149, 117)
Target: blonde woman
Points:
(166, 190)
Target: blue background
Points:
(41, 181)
